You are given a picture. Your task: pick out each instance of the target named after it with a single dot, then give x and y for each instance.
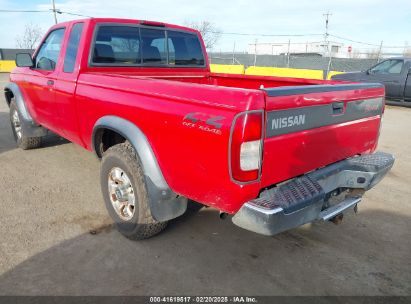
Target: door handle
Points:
(50, 82)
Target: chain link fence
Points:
(292, 61)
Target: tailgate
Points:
(308, 127)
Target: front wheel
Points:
(125, 194)
(23, 141)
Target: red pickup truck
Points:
(275, 153)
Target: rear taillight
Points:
(246, 146)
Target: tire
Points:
(121, 167)
(24, 142)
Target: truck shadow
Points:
(6, 136)
(52, 140)
(7, 141)
(200, 254)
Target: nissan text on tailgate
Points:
(275, 153)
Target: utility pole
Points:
(234, 53)
(255, 52)
(326, 35)
(379, 52)
(288, 54)
(327, 42)
(54, 11)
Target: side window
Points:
(153, 46)
(392, 66)
(117, 45)
(380, 68)
(46, 58)
(72, 47)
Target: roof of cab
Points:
(400, 58)
(130, 21)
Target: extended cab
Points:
(275, 153)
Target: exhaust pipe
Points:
(223, 215)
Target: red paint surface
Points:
(194, 162)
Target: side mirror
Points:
(24, 60)
(368, 72)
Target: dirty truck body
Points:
(275, 153)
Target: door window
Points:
(46, 58)
(392, 66)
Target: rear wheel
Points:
(23, 141)
(125, 193)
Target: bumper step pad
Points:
(372, 162)
(291, 196)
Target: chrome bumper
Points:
(306, 199)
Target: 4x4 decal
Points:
(204, 122)
(205, 118)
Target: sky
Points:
(367, 21)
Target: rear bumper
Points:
(310, 197)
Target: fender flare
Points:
(30, 127)
(164, 203)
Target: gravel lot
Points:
(51, 200)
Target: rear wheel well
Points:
(106, 138)
(8, 95)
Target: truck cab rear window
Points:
(116, 45)
(184, 49)
(153, 46)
